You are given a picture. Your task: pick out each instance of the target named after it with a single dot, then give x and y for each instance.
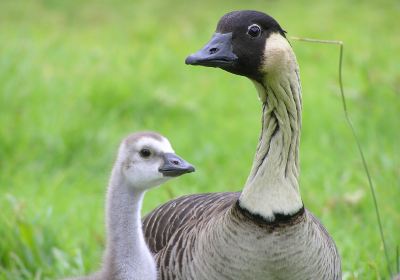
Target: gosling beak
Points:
(175, 166)
(216, 53)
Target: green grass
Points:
(76, 77)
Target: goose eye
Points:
(145, 153)
(254, 30)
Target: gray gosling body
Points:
(144, 160)
(264, 232)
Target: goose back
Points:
(163, 222)
(208, 236)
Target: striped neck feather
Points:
(272, 186)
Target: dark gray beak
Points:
(217, 52)
(175, 166)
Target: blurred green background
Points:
(77, 76)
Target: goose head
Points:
(147, 160)
(246, 43)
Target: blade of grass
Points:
(350, 124)
(397, 259)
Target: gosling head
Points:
(246, 43)
(147, 160)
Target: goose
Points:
(263, 232)
(145, 160)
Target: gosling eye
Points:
(254, 30)
(145, 153)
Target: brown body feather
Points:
(208, 236)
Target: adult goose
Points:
(144, 160)
(264, 232)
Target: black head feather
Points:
(249, 50)
(238, 44)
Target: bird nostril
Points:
(213, 50)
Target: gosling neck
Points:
(272, 187)
(127, 255)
